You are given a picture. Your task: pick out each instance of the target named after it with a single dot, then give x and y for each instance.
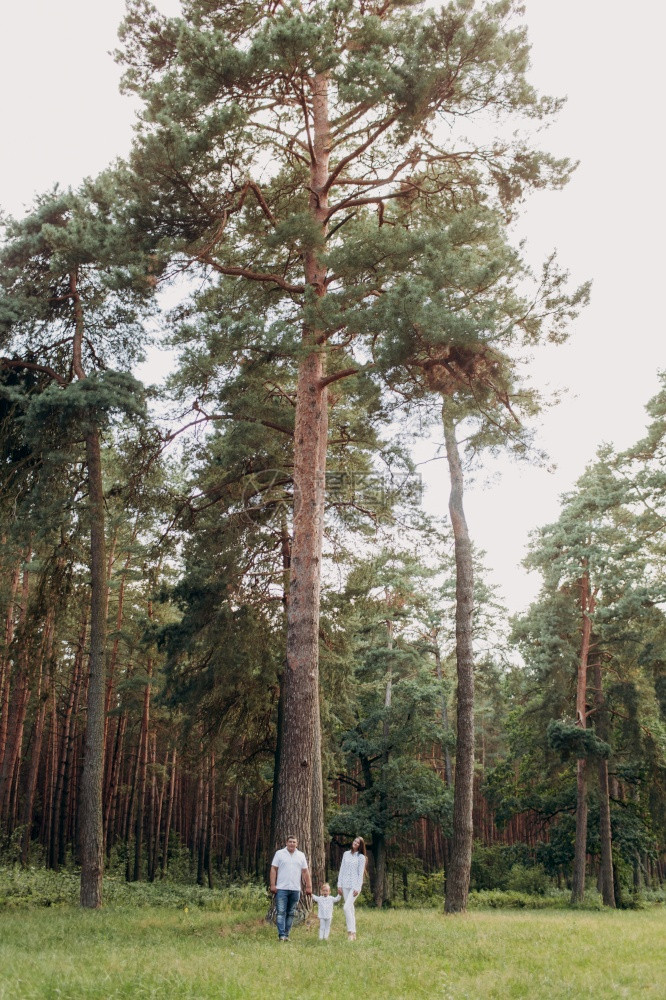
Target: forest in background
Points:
(147, 535)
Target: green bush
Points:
(40, 887)
(491, 866)
(532, 881)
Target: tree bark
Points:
(143, 769)
(5, 665)
(298, 756)
(605, 833)
(43, 693)
(580, 850)
(112, 795)
(167, 825)
(379, 868)
(91, 824)
(458, 875)
(15, 708)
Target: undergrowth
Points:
(41, 887)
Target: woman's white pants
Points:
(350, 914)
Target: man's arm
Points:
(273, 878)
(308, 881)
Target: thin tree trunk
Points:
(64, 761)
(43, 693)
(605, 833)
(16, 708)
(203, 825)
(580, 850)
(379, 868)
(134, 770)
(233, 824)
(379, 838)
(91, 828)
(150, 839)
(111, 805)
(5, 666)
(158, 818)
(211, 826)
(458, 875)
(143, 768)
(92, 824)
(72, 790)
(48, 794)
(113, 660)
(167, 825)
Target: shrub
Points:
(491, 866)
(532, 881)
(40, 887)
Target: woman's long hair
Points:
(361, 850)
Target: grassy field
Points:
(122, 952)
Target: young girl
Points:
(325, 904)
(350, 881)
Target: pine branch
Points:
(31, 366)
(245, 272)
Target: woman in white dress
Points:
(350, 881)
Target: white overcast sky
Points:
(62, 118)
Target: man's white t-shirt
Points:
(289, 868)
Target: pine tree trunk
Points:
(113, 662)
(50, 771)
(43, 693)
(458, 875)
(167, 825)
(5, 667)
(134, 770)
(12, 763)
(379, 868)
(294, 807)
(210, 847)
(15, 709)
(605, 833)
(580, 850)
(203, 828)
(151, 839)
(143, 769)
(91, 818)
(68, 818)
(233, 825)
(111, 802)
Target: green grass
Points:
(129, 952)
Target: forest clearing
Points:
(131, 953)
(245, 648)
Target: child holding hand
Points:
(325, 904)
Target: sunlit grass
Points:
(139, 953)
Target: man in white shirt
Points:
(288, 867)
